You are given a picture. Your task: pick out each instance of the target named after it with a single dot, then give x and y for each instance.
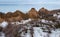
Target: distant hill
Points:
(32, 13)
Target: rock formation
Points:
(33, 13)
(43, 10)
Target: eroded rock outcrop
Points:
(43, 11)
(33, 13)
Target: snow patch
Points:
(55, 33)
(58, 13)
(58, 16)
(38, 32)
(50, 21)
(2, 34)
(44, 21)
(54, 15)
(22, 22)
(25, 21)
(4, 24)
(28, 34)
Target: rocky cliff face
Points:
(2, 17)
(1, 20)
(13, 16)
(33, 13)
(55, 11)
(43, 10)
(17, 16)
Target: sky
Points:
(25, 5)
(28, 1)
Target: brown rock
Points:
(9, 15)
(17, 16)
(43, 10)
(54, 11)
(33, 13)
(1, 20)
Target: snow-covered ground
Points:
(28, 34)
(38, 32)
(2, 34)
(55, 33)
